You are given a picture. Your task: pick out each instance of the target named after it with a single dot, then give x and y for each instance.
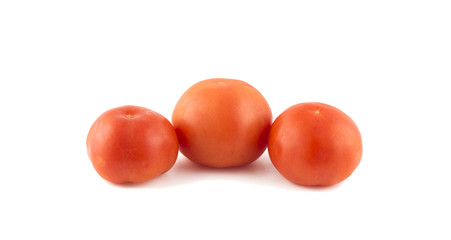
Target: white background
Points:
(387, 64)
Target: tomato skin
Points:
(315, 144)
(131, 144)
(222, 123)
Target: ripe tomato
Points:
(222, 123)
(314, 144)
(131, 144)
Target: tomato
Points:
(222, 123)
(131, 144)
(314, 144)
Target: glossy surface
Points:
(131, 144)
(222, 123)
(315, 144)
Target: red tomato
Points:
(314, 144)
(222, 123)
(131, 144)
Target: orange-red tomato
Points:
(131, 144)
(222, 123)
(314, 144)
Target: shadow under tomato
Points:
(322, 188)
(260, 172)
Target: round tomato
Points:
(314, 144)
(222, 123)
(131, 144)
